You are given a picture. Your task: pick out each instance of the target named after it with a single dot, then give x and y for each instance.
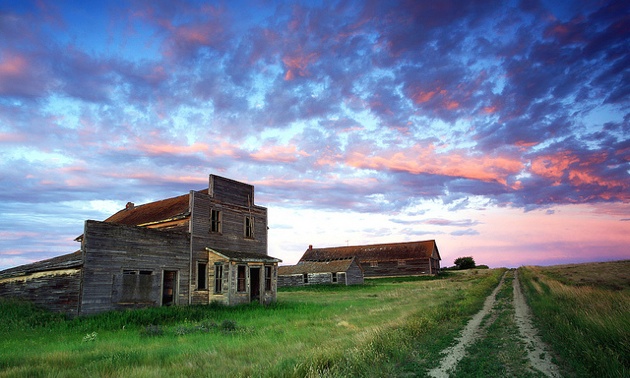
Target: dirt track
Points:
(539, 358)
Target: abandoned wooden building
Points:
(204, 246)
(344, 271)
(383, 260)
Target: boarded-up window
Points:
(334, 277)
(249, 227)
(215, 220)
(218, 279)
(202, 274)
(240, 279)
(136, 286)
(268, 278)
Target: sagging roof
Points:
(390, 251)
(243, 256)
(332, 266)
(153, 212)
(70, 260)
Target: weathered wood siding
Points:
(111, 251)
(354, 274)
(56, 290)
(232, 234)
(384, 268)
(230, 295)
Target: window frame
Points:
(216, 221)
(241, 279)
(218, 279)
(268, 278)
(248, 231)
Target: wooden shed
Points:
(161, 253)
(382, 260)
(343, 272)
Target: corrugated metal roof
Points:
(152, 212)
(70, 260)
(391, 251)
(316, 267)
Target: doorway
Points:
(169, 287)
(254, 284)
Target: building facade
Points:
(160, 254)
(384, 260)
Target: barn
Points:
(203, 246)
(383, 260)
(342, 272)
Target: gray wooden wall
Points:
(110, 249)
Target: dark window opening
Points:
(240, 279)
(334, 277)
(202, 274)
(215, 221)
(169, 288)
(218, 279)
(305, 278)
(268, 278)
(254, 284)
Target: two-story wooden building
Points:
(204, 246)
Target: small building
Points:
(383, 260)
(343, 272)
(159, 254)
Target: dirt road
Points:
(538, 357)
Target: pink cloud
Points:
(284, 154)
(297, 64)
(420, 159)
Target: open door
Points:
(169, 287)
(254, 284)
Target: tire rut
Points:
(454, 354)
(538, 353)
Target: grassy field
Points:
(583, 312)
(387, 327)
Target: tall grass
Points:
(385, 327)
(587, 326)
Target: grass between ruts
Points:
(387, 327)
(583, 312)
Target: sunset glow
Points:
(358, 122)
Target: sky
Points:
(501, 129)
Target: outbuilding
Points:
(342, 271)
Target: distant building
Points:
(204, 246)
(343, 272)
(382, 260)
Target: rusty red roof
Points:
(391, 251)
(170, 208)
(332, 266)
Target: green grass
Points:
(499, 351)
(387, 327)
(588, 325)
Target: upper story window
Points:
(249, 227)
(215, 220)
